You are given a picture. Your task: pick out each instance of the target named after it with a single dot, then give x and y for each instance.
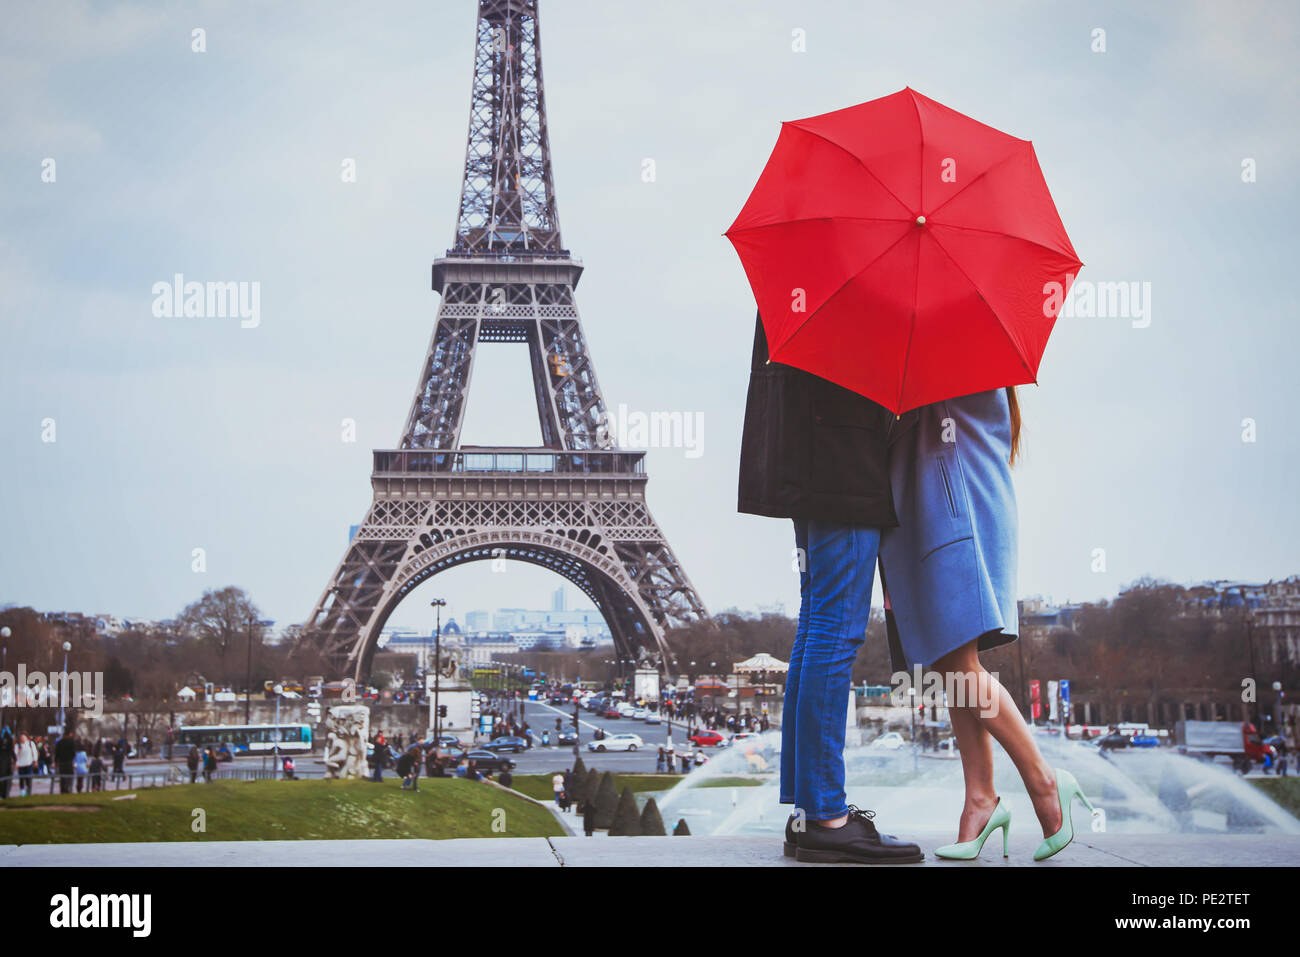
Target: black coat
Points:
(812, 449)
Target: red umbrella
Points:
(905, 251)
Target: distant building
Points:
(477, 622)
(1039, 616)
(506, 619)
(1273, 608)
(482, 649)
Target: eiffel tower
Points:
(576, 504)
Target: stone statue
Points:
(345, 744)
(449, 663)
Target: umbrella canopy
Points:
(905, 251)
(759, 663)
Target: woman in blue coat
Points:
(949, 570)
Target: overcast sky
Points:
(175, 434)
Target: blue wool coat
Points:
(949, 567)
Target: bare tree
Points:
(219, 618)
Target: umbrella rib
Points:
(991, 168)
(911, 331)
(838, 289)
(1019, 349)
(1019, 239)
(816, 219)
(858, 160)
(920, 157)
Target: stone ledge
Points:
(1097, 850)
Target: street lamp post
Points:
(4, 662)
(438, 604)
(577, 753)
(275, 769)
(248, 675)
(911, 693)
(63, 687)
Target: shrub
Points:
(652, 822)
(627, 819)
(606, 801)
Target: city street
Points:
(541, 717)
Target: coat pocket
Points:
(942, 517)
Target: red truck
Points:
(1237, 740)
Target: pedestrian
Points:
(119, 759)
(288, 767)
(26, 759)
(6, 761)
(209, 765)
(659, 762)
(588, 811)
(557, 785)
(65, 760)
(411, 773)
(81, 764)
(192, 762)
(97, 773)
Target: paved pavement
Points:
(1103, 850)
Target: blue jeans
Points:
(834, 610)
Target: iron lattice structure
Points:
(576, 504)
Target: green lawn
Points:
(1284, 791)
(276, 810)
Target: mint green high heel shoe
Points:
(969, 850)
(1067, 789)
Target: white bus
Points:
(248, 738)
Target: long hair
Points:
(1014, 404)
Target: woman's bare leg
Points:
(976, 748)
(1000, 718)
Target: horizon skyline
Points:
(1048, 600)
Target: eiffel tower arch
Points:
(576, 504)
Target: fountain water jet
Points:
(1139, 791)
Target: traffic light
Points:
(442, 711)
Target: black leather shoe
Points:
(791, 838)
(857, 842)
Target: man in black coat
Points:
(65, 758)
(818, 454)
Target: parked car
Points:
(889, 741)
(708, 739)
(487, 761)
(507, 744)
(617, 742)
